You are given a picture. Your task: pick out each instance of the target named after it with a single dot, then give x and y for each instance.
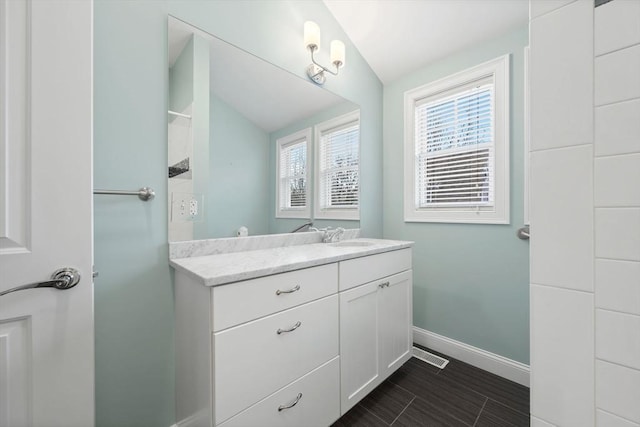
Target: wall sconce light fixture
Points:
(316, 71)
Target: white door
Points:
(46, 335)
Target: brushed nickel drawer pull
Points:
(382, 285)
(296, 288)
(292, 404)
(291, 329)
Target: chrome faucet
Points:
(306, 225)
(330, 235)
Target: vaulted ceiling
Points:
(397, 37)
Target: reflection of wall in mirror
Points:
(180, 140)
(180, 153)
(239, 173)
(180, 146)
(188, 140)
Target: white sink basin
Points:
(352, 243)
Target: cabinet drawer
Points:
(357, 271)
(319, 404)
(252, 360)
(244, 301)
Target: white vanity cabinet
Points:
(297, 348)
(264, 342)
(375, 321)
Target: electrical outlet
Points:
(186, 207)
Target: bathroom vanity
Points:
(291, 335)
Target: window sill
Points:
(347, 215)
(458, 218)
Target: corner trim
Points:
(491, 362)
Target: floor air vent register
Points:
(430, 358)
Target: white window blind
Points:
(454, 146)
(293, 175)
(338, 163)
(456, 156)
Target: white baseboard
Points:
(491, 362)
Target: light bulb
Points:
(311, 35)
(337, 53)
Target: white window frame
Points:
(294, 212)
(334, 213)
(498, 70)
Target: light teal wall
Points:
(471, 281)
(133, 294)
(284, 225)
(239, 172)
(181, 80)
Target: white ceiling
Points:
(397, 37)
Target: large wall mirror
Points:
(229, 111)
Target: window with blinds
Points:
(292, 185)
(338, 168)
(454, 149)
(457, 147)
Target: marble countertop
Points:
(219, 269)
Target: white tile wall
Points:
(618, 390)
(617, 134)
(617, 127)
(540, 7)
(618, 338)
(562, 379)
(618, 233)
(611, 174)
(570, 73)
(618, 285)
(605, 419)
(562, 77)
(617, 25)
(617, 75)
(561, 215)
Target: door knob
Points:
(64, 278)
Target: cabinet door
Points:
(395, 316)
(359, 364)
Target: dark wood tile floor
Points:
(419, 394)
